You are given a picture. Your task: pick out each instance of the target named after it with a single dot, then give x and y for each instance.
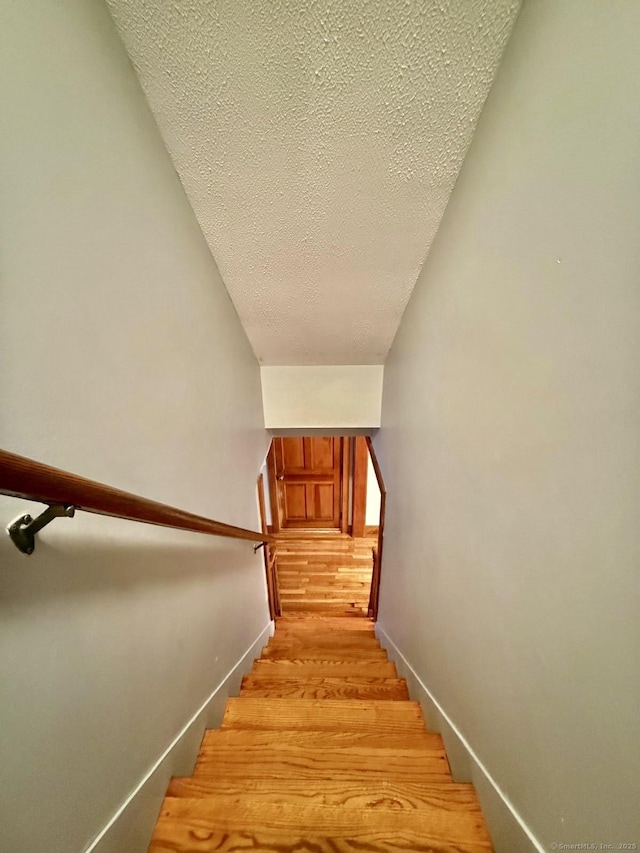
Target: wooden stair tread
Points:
(312, 588)
(295, 668)
(307, 580)
(319, 622)
(303, 578)
(294, 617)
(338, 607)
(348, 622)
(322, 752)
(298, 650)
(318, 687)
(192, 826)
(382, 717)
(365, 794)
(320, 638)
(233, 753)
(335, 594)
(313, 621)
(321, 632)
(326, 739)
(333, 639)
(324, 637)
(308, 653)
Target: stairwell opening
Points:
(322, 498)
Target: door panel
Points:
(293, 453)
(323, 503)
(322, 455)
(295, 501)
(309, 478)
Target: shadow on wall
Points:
(112, 635)
(75, 567)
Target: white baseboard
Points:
(131, 827)
(508, 831)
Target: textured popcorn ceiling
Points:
(318, 143)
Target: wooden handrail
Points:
(25, 478)
(376, 467)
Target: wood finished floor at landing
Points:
(324, 572)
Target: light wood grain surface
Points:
(324, 573)
(322, 752)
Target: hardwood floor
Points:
(321, 751)
(328, 572)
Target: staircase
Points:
(322, 752)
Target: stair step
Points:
(311, 621)
(323, 635)
(332, 594)
(324, 752)
(195, 826)
(368, 794)
(334, 580)
(300, 668)
(294, 574)
(337, 609)
(299, 648)
(317, 687)
(314, 583)
(318, 563)
(339, 600)
(326, 617)
(234, 753)
(321, 739)
(356, 715)
(318, 638)
(308, 652)
(307, 580)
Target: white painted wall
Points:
(122, 360)
(372, 508)
(325, 396)
(510, 444)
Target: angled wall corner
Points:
(346, 396)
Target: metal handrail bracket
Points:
(23, 530)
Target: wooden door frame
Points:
(269, 556)
(360, 466)
(344, 484)
(273, 490)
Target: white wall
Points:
(510, 440)
(372, 508)
(324, 396)
(122, 360)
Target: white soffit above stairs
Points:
(322, 396)
(318, 143)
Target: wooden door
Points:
(309, 477)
